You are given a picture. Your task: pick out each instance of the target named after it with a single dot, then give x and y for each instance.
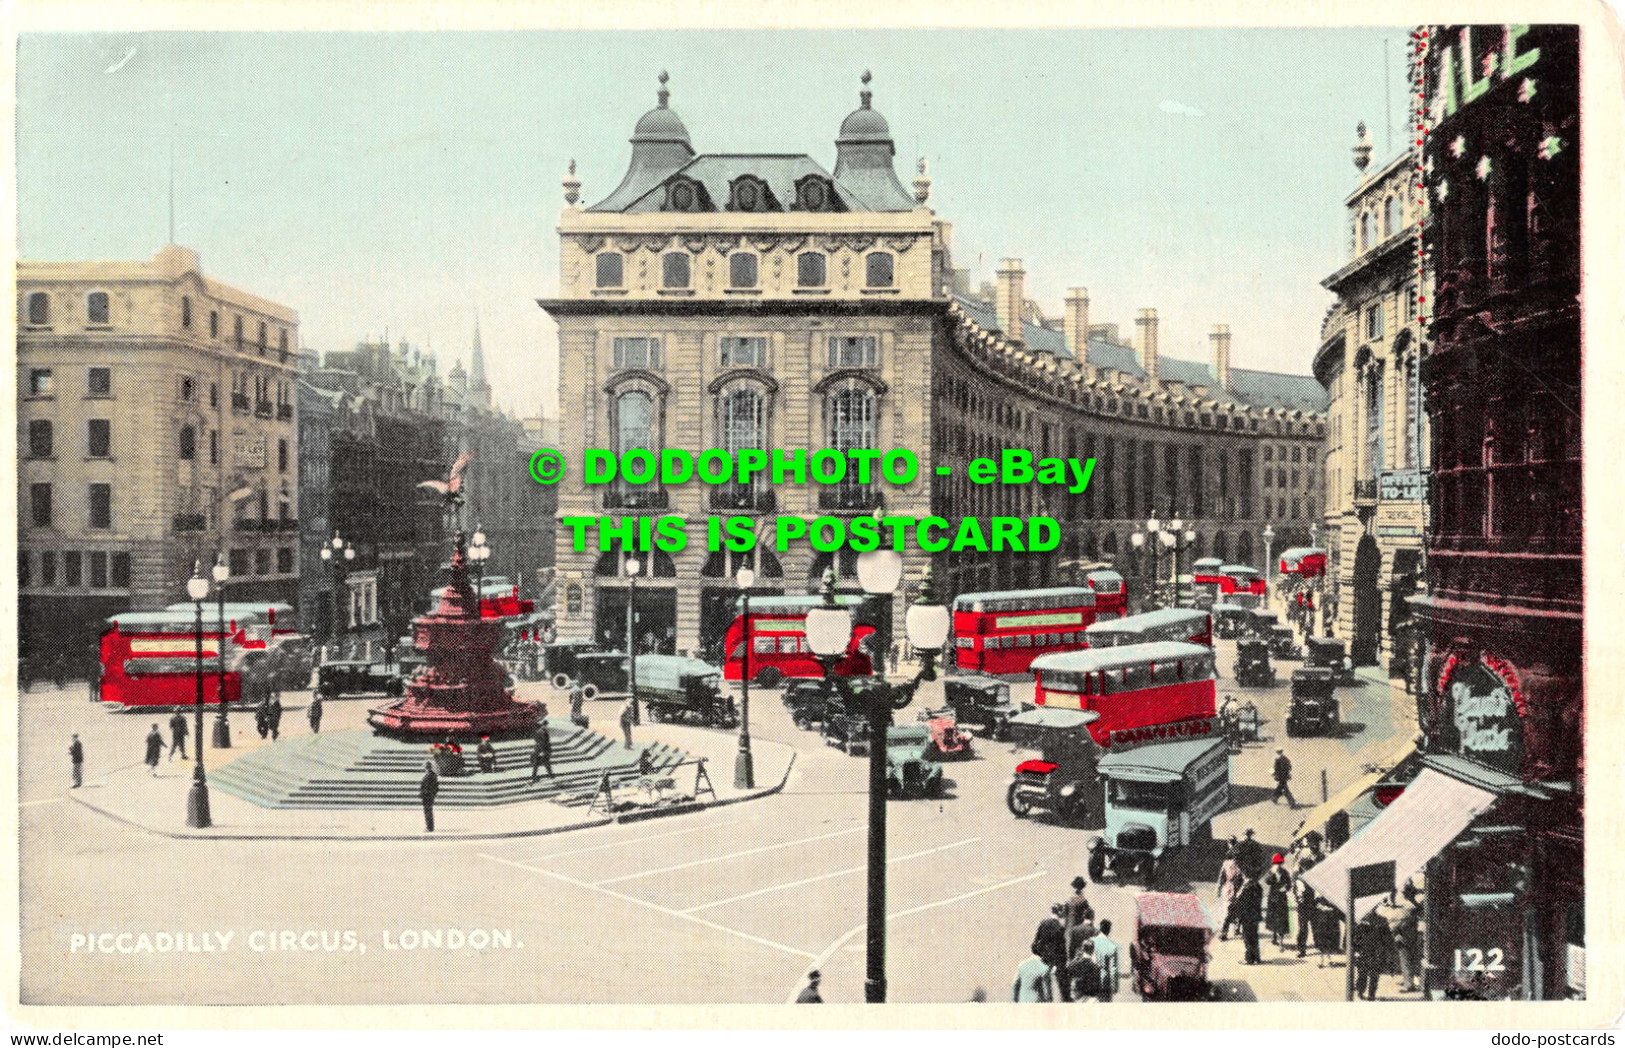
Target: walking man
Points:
(1109, 959)
(809, 994)
(274, 717)
(76, 754)
(155, 749)
(1283, 775)
(177, 735)
(487, 754)
(1077, 916)
(578, 716)
(428, 787)
(1308, 902)
(262, 717)
(1229, 886)
(313, 713)
(629, 717)
(1250, 903)
(541, 752)
(1250, 855)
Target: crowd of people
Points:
(1073, 959)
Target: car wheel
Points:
(590, 692)
(1018, 804)
(935, 789)
(394, 689)
(561, 681)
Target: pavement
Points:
(725, 905)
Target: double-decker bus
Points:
(1239, 578)
(1111, 594)
(778, 639)
(149, 658)
(1186, 625)
(1207, 580)
(267, 627)
(1306, 562)
(1002, 632)
(499, 599)
(1142, 692)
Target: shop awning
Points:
(1341, 800)
(1431, 813)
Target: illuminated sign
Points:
(1484, 712)
(1462, 78)
(178, 646)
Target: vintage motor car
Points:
(1328, 653)
(681, 689)
(356, 677)
(1230, 620)
(602, 674)
(981, 702)
(847, 725)
(1314, 709)
(1253, 669)
(1160, 798)
(1260, 623)
(1062, 780)
(949, 742)
(910, 772)
(1284, 643)
(1169, 952)
(560, 660)
(806, 699)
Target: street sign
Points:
(1374, 879)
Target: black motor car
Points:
(806, 699)
(1253, 669)
(354, 677)
(981, 702)
(1314, 709)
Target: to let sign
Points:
(1401, 485)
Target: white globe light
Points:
(828, 630)
(880, 570)
(349, 552)
(479, 538)
(1175, 524)
(745, 577)
(1167, 537)
(197, 587)
(338, 543)
(1137, 540)
(221, 572)
(327, 554)
(928, 626)
(633, 565)
(1190, 536)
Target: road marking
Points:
(825, 876)
(730, 855)
(640, 840)
(822, 959)
(42, 800)
(650, 905)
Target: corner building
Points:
(763, 301)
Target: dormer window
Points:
(749, 193)
(675, 269)
(814, 193)
(684, 194)
(610, 266)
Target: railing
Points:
(262, 409)
(239, 402)
(739, 497)
(189, 522)
(284, 411)
(636, 498)
(849, 498)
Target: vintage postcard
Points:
(588, 516)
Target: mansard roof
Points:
(716, 172)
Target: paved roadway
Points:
(734, 904)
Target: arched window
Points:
(1244, 547)
(96, 308)
(1390, 216)
(1365, 231)
(741, 426)
(810, 269)
(852, 425)
(609, 269)
(674, 269)
(39, 308)
(742, 269)
(636, 430)
(880, 269)
(1221, 546)
(188, 442)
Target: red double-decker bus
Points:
(1306, 562)
(1207, 580)
(499, 599)
(1186, 625)
(778, 639)
(1139, 686)
(1239, 578)
(149, 658)
(1002, 632)
(1111, 594)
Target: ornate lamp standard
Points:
(744, 763)
(1269, 537)
(222, 728)
(633, 566)
(479, 553)
(1169, 537)
(197, 800)
(339, 553)
(829, 628)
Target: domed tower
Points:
(660, 146)
(863, 157)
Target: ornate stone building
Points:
(156, 420)
(763, 301)
(1373, 342)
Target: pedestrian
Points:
(1077, 916)
(893, 657)
(1373, 946)
(487, 754)
(1283, 775)
(76, 754)
(646, 762)
(1250, 907)
(578, 715)
(1408, 937)
(155, 749)
(273, 717)
(1250, 855)
(629, 717)
(262, 717)
(541, 752)
(1278, 884)
(313, 713)
(809, 994)
(1033, 980)
(428, 788)
(1230, 878)
(1049, 942)
(1083, 972)
(177, 735)
(1308, 903)
(1109, 958)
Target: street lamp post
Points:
(336, 555)
(478, 552)
(828, 629)
(197, 800)
(1170, 541)
(222, 728)
(1269, 537)
(633, 565)
(744, 763)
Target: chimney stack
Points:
(1009, 300)
(1220, 337)
(1077, 322)
(1145, 344)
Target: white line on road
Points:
(649, 905)
(822, 959)
(42, 800)
(640, 840)
(825, 877)
(730, 855)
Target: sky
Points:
(410, 182)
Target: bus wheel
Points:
(1020, 806)
(561, 681)
(590, 692)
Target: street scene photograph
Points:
(1075, 517)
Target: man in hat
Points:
(1250, 903)
(809, 994)
(428, 788)
(629, 717)
(313, 713)
(177, 735)
(1308, 902)
(541, 751)
(1283, 775)
(487, 754)
(1077, 916)
(1250, 855)
(76, 754)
